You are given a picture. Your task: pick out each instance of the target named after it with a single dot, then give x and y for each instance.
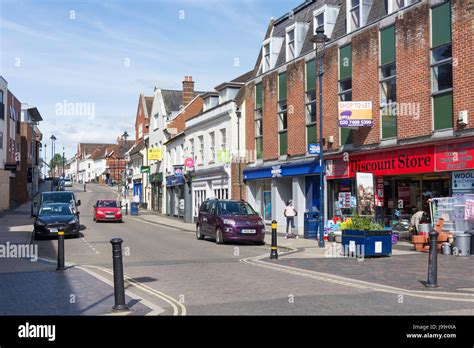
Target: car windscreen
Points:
(55, 210)
(107, 204)
(57, 198)
(236, 208)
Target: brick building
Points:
(409, 58)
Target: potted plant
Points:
(331, 236)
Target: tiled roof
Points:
(149, 104)
(172, 99)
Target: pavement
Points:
(31, 285)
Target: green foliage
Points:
(365, 223)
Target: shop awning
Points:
(283, 170)
(174, 180)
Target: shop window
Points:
(442, 66)
(388, 83)
(258, 117)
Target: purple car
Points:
(228, 220)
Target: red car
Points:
(107, 210)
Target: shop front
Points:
(175, 195)
(138, 190)
(405, 179)
(210, 183)
(156, 181)
(270, 187)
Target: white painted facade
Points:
(211, 140)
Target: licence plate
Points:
(53, 230)
(248, 231)
(110, 216)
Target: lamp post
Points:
(45, 161)
(33, 157)
(53, 139)
(125, 137)
(320, 41)
(238, 112)
(64, 174)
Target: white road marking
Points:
(449, 296)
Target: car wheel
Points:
(262, 242)
(199, 235)
(219, 237)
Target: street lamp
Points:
(125, 181)
(53, 139)
(64, 174)
(320, 42)
(238, 112)
(45, 161)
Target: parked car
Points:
(67, 182)
(107, 210)
(53, 218)
(229, 220)
(60, 197)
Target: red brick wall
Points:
(463, 58)
(270, 121)
(10, 152)
(365, 76)
(296, 108)
(235, 190)
(192, 110)
(413, 70)
(140, 120)
(330, 97)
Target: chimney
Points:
(188, 90)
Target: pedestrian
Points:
(290, 213)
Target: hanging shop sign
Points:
(178, 171)
(223, 156)
(155, 154)
(145, 169)
(379, 191)
(314, 149)
(365, 193)
(355, 114)
(189, 162)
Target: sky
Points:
(84, 63)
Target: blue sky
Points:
(106, 52)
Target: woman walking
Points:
(290, 213)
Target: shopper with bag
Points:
(290, 213)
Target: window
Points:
(212, 148)
(325, 17)
(191, 148)
(310, 102)
(358, 12)
(155, 121)
(266, 57)
(258, 117)
(319, 20)
(442, 66)
(201, 149)
(2, 106)
(345, 86)
(395, 5)
(282, 114)
(223, 138)
(290, 45)
(1, 140)
(388, 83)
(89, 166)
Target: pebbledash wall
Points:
(411, 42)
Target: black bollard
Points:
(119, 287)
(84, 186)
(274, 248)
(126, 208)
(433, 261)
(60, 251)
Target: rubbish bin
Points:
(311, 224)
(134, 209)
(367, 243)
(462, 244)
(471, 232)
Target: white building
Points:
(211, 139)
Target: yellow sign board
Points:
(355, 114)
(154, 154)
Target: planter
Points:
(367, 243)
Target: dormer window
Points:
(395, 5)
(295, 35)
(357, 13)
(325, 17)
(266, 57)
(270, 51)
(290, 42)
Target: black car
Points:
(56, 217)
(60, 197)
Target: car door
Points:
(203, 217)
(212, 219)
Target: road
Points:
(173, 270)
